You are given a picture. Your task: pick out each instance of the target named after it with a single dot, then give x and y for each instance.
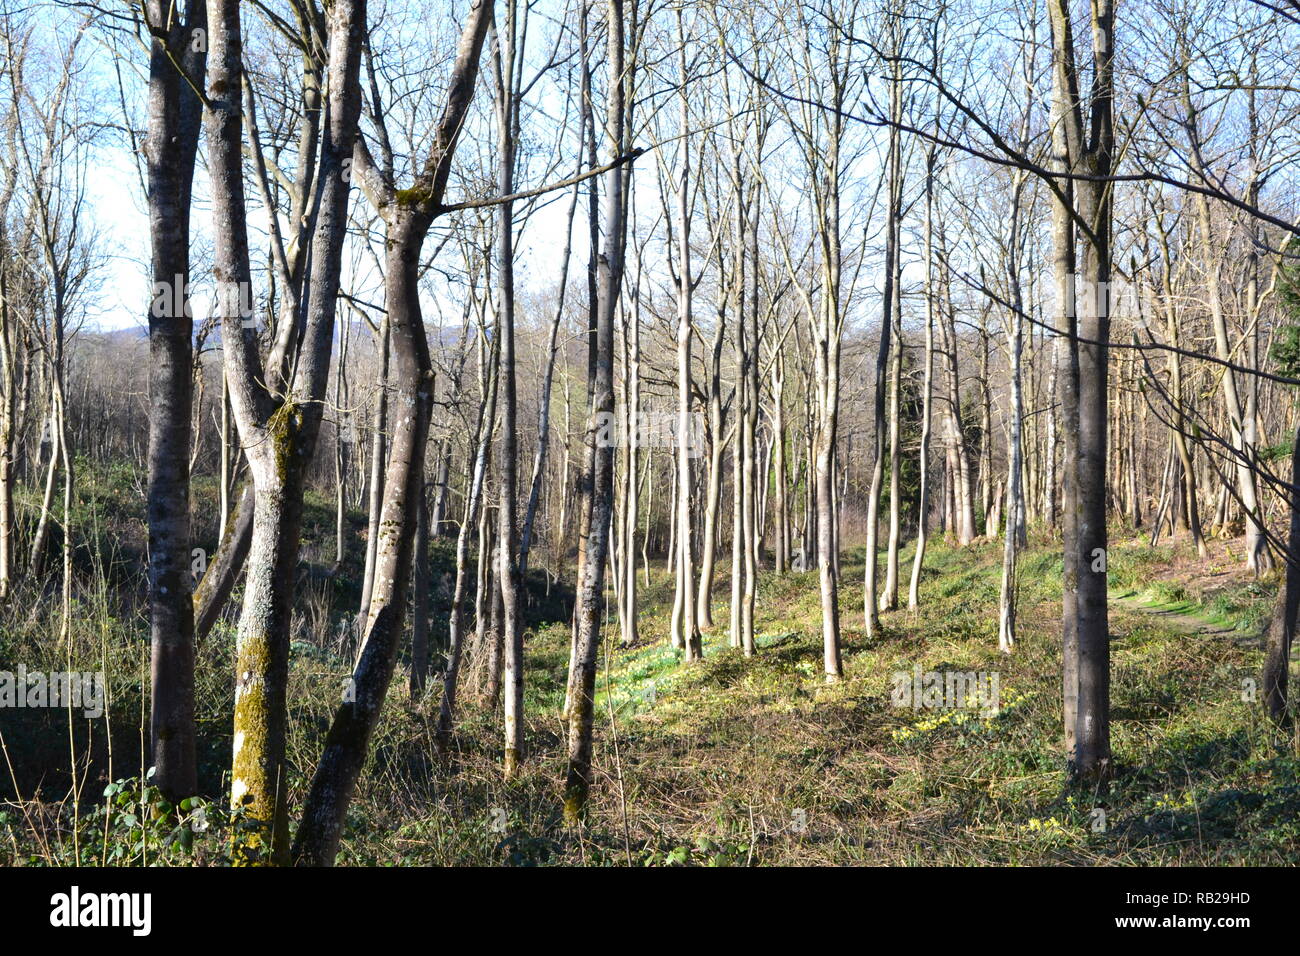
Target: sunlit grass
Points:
(731, 761)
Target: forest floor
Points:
(731, 761)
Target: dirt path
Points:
(1190, 623)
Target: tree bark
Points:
(171, 146)
(409, 214)
(591, 586)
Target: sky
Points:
(118, 207)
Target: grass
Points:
(730, 761)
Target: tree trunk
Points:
(420, 604)
(927, 391)
(884, 352)
(171, 145)
(468, 526)
(1088, 648)
(1281, 632)
(378, 457)
(591, 586)
(409, 222)
(511, 636)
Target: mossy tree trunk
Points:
(278, 432)
(290, 256)
(408, 214)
